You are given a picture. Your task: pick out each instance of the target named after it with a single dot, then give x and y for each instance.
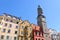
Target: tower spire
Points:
(39, 9)
(38, 6)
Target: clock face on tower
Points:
(43, 19)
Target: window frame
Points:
(16, 32)
(4, 30)
(15, 38)
(5, 24)
(7, 37)
(10, 25)
(2, 36)
(9, 30)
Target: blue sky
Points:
(27, 10)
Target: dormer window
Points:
(9, 16)
(17, 19)
(14, 18)
(6, 19)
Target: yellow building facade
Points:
(25, 30)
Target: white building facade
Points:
(53, 34)
(9, 27)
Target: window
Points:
(15, 32)
(15, 38)
(26, 27)
(46, 35)
(26, 33)
(17, 22)
(11, 21)
(6, 19)
(30, 38)
(30, 28)
(42, 39)
(2, 36)
(7, 37)
(5, 24)
(0, 22)
(37, 33)
(4, 30)
(10, 25)
(36, 38)
(9, 31)
(17, 27)
(21, 38)
(22, 27)
(26, 39)
(22, 32)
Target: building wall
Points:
(37, 34)
(25, 27)
(8, 25)
(53, 34)
(59, 36)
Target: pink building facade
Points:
(37, 33)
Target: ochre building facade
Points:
(25, 31)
